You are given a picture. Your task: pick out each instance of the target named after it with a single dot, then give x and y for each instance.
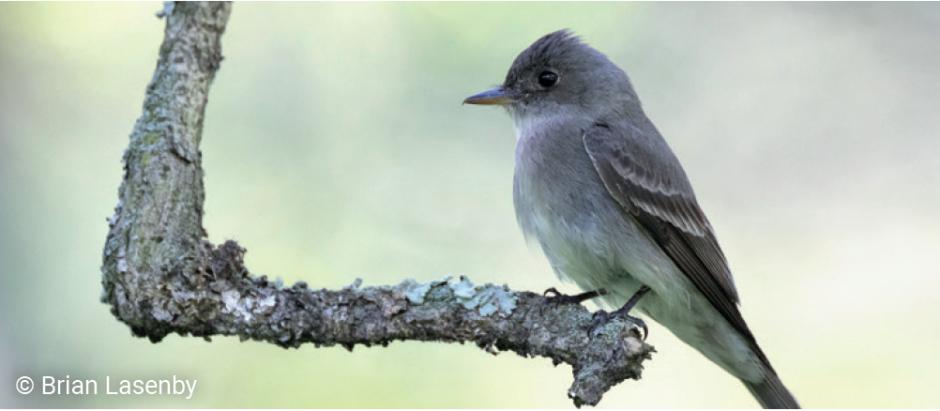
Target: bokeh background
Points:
(335, 147)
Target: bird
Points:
(598, 188)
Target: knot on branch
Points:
(615, 354)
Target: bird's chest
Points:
(562, 204)
(557, 195)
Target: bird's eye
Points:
(547, 79)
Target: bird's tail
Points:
(771, 393)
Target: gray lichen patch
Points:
(247, 308)
(486, 299)
(414, 291)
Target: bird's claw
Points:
(562, 299)
(601, 318)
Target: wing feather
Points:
(664, 204)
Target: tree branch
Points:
(161, 275)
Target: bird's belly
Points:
(580, 250)
(588, 239)
(575, 247)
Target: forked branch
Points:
(161, 275)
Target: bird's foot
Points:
(601, 317)
(562, 299)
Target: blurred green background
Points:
(335, 147)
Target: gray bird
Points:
(603, 194)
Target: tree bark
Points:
(161, 275)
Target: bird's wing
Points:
(655, 191)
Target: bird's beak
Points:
(499, 95)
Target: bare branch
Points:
(160, 274)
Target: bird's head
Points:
(559, 74)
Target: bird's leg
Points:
(601, 317)
(562, 299)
